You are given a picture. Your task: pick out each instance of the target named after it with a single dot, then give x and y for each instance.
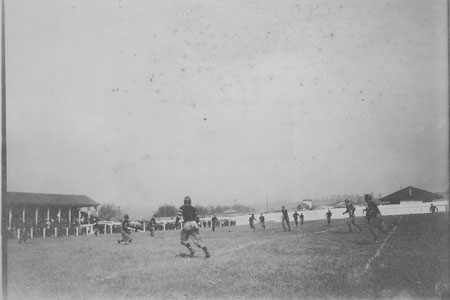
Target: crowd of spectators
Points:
(64, 227)
(170, 224)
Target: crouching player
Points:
(374, 217)
(190, 227)
(125, 230)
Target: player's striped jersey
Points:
(188, 212)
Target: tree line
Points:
(171, 211)
(111, 212)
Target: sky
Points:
(140, 103)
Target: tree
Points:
(242, 208)
(109, 212)
(166, 211)
(202, 211)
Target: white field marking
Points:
(381, 247)
(274, 239)
(324, 230)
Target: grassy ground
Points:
(311, 262)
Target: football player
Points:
(285, 219)
(251, 221)
(351, 216)
(262, 221)
(125, 230)
(190, 227)
(375, 218)
(296, 215)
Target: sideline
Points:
(381, 246)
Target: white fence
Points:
(309, 215)
(386, 210)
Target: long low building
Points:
(38, 209)
(410, 194)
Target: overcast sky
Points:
(139, 103)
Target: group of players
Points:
(373, 218)
(190, 227)
(284, 222)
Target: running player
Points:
(296, 215)
(262, 221)
(251, 221)
(351, 216)
(125, 230)
(433, 209)
(285, 220)
(375, 217)
(190, 227)
(328, 214)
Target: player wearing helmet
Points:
(375, 218)
(190, 227)
(350, 209)
(125, 230)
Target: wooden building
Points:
(410, 194)
(39, 209)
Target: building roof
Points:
(411, 193)
(35, 199)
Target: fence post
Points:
(43, 232)
(31, 233)
(56, 231)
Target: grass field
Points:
(311, 262)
